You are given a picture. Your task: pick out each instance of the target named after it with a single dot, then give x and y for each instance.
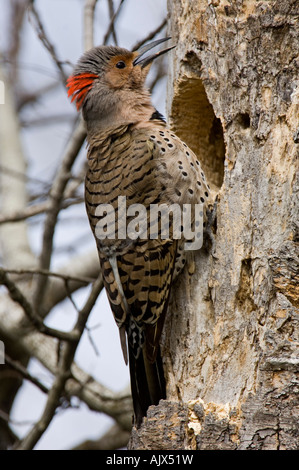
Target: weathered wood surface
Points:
(231, 335)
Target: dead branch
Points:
(114, 438)
(63, 373)
(56, 197)
(26, 98)
(160, 73)
(14, 238)
(36, 209)
(112, 22)
(17, 366)
(89, 9)
(111, 14)
(70, 197)
(47, 120)
(150, 36)
(18, 297)
(21, 176)
(83, 266)
(37, 25)
(44, 348)
(44, 272)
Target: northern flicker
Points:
(134, 156)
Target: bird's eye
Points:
(121, 64)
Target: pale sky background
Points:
(43, 147)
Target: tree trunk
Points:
(230, 341)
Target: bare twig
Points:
(47, 120)
(44, 272)
(93, 344)
(29, 97)
(40, 69)
(14, 239)
(111, 14)
(63, 374)
(57, 195)
(21, 176)
(85, 265)
(37, 24)
(36, 209)
(69, 295)
(70, 197)
(150, 36)
(17, 296)
(89, 9)
(112, 22)
(160, 73)
(5, 417)
(115, 438)
(25, 374)
(97, 397)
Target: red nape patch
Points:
(79, 85)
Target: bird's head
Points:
(108, 83)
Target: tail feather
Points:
(147, 383)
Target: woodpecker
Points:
(134, 157)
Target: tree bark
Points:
(230, 341)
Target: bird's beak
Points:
(142, 60)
